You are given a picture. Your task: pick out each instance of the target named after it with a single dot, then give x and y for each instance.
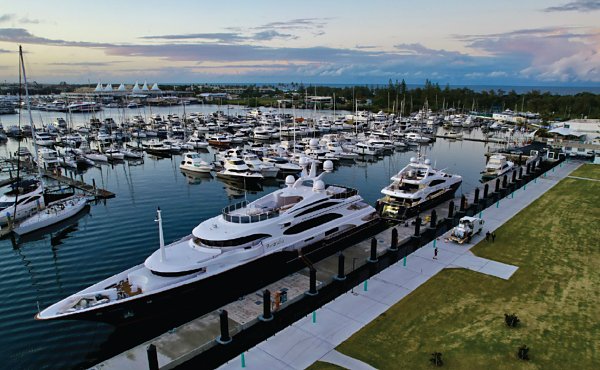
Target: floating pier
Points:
(69, 181)
(85, 187)
(483, 140)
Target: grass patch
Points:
(591, 171)
(320, 365)
(555, 293)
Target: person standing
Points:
(487, 236)
(435, 251)
(493, 236)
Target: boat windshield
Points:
(4, 205)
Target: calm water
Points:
(121, 232)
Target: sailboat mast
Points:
(35, 147)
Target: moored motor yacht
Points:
(283, 164)
(236, 169)
(416, 188)
(496, 166)
(197, 143)
(271, 230)
(25, 198)
(255, 164)
(194, 162)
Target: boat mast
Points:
(163, 256)
(35, 147)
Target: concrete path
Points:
(582, 178)
(314, 337)
(347, 362)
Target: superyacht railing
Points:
(347, 193)
(247, 219)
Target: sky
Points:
(469, 42)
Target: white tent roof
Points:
(108, 87)
(564, 131)
(145, 87)
(155, 87)
(136, 87)
(121, 87)
(98, 87)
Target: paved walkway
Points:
(582, 178)
(315, 337)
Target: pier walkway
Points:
(313, 339)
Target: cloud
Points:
(225, 37)
(271, 34)
(578, 5)
(295, 24)
(85, 64)
(13, 17)
(314, 25)
(419, 49)
(21, 35)
(26, 20)
(6, 18)
(565, 54)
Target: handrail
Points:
(247, 219)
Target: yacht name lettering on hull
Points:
(274, 243)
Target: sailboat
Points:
(56, 211)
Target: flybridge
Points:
(254, 215)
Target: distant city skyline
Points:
(531, 43)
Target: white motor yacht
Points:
(197, 143)
(114, 154)
(255, 164)
(365, 149)
(194, 162)
(413, 137)
(283, 164)
(303, 215)
(44, 139)
(28, 195)
(336, 149)
(496, 166)
(156, 147)
(416, 188)
(48, 158)
(237, 170)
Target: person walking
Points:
(435, 253)
(487, 236)
(493, 236)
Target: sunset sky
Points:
(481, 42)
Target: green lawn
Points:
(319, 365)
(555, 292)
(591, 171)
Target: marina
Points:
(187, 185)
(159, 176)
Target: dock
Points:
(89, 189)
(85, 187)
(483, 140)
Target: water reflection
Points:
(196, 178)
